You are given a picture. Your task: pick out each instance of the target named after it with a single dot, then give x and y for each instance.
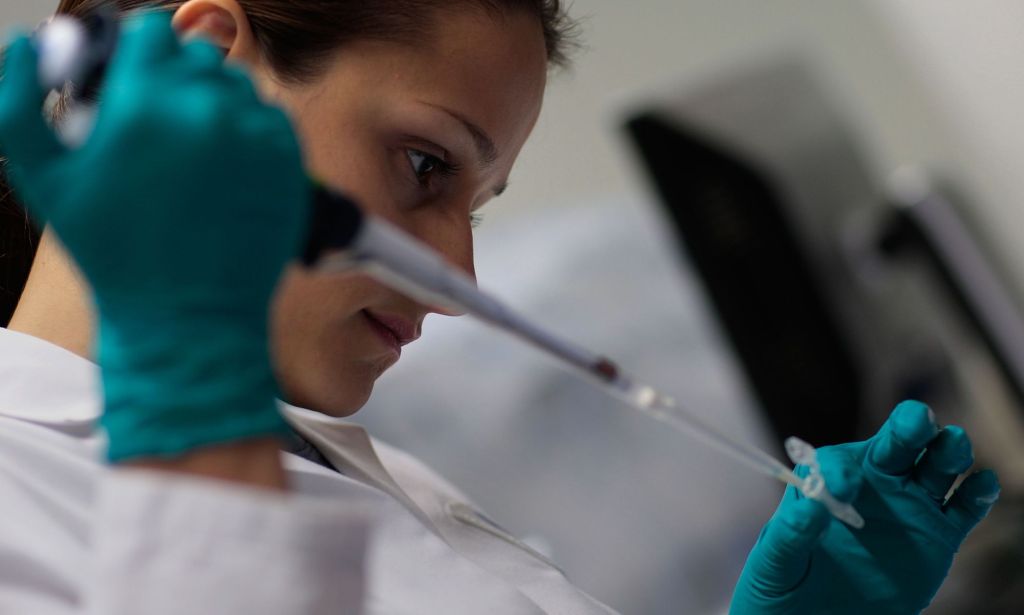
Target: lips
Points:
(395, 331)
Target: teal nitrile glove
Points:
(182, 209)
(805, 562)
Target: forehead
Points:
(488, 67)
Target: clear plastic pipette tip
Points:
(662, 407)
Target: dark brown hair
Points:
(295, 37)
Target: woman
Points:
(183, 210)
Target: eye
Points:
(425, 166)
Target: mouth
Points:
(393, 331)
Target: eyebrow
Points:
(486, 150)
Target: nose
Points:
(454, 241)
(466, 266)
(445, 311)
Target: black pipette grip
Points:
(104, 30)
(334, 224)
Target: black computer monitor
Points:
(778, 210)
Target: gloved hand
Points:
(181, 210)
(807, 562)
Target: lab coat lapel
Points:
(349, 449)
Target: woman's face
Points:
(422, 135)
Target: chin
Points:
(341, 403)
(349, 406)
(337, 388)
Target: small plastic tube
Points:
(813, 485)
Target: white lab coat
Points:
(386, 535)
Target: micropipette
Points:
(422, 274)
(343, 238)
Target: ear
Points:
(221, 22)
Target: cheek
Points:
(312, 318)
(307, 304)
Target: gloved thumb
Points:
(781, 556)
(780, 559)
(26, 140)
(24, 134)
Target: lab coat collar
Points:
(44, 383)
(349, 449)
(41, 382)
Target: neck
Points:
(56, 305)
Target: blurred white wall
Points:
(654, 45)
(24, 12)
(971, 64)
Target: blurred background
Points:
(787, 214)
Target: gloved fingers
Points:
(898, 444)
(148, 39)
(25, 136)
(241, 84)
(948, 455)
(202, 55)
(275, 131)
(843, 475)
(780, 559)
(205, 63)
(973, 499)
